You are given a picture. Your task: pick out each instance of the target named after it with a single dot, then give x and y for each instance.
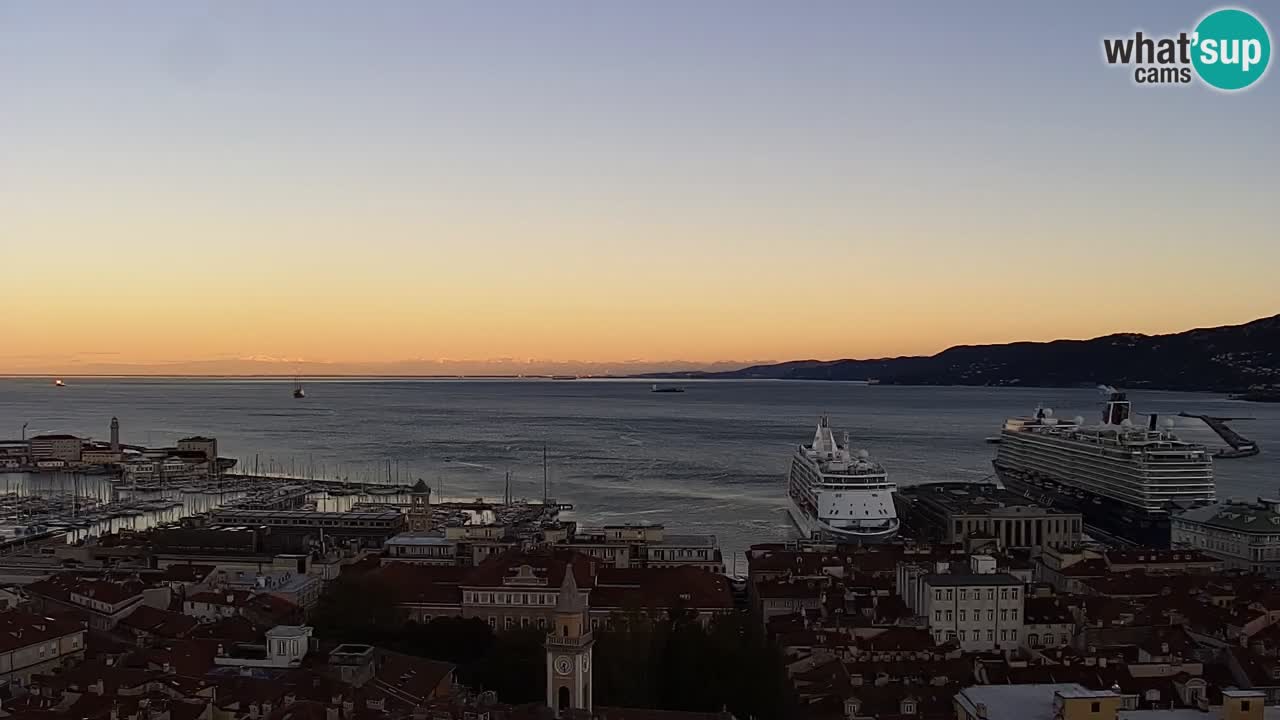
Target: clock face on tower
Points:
(564, 665)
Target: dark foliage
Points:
(668, 662)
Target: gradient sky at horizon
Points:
(609, 180)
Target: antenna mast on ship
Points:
(545, 486)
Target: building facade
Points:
(970, 514)
(35, 645)
(56, 447)
(981, 609)
(1245, 536)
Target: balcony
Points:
(562, 641)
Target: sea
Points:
(711, 459)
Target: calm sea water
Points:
(711, 459)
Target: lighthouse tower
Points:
(115, 435)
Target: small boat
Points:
(59, 383)
(667, 389)
(298, 392)
(993, 440)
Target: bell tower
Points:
(419, 507)
(568, 647)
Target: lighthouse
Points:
(115, 435)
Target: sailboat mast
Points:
(545, 487)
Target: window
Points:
(1013, 593)
(1013, 634)
(493, 622)
(1004, 635)
(937, 594)
(937, 616)
(991, 615)
(1095, 707)
(948, 616)
(964, 594)
(1013, 614)
(1004, 593)
(962, 615)
(1244, 705)
(991, 635)
(991, 593)
(1004, 614)
(949, 596)
(961, 636)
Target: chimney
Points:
(1151, 421)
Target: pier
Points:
(1240, 445)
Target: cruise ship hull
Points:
(1104, 517)
(812, 528)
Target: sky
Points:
(603, 181)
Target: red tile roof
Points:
(18, 629)
(149, 620)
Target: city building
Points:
(1047, 622)
(980, 609)
(518, 588)
(620, 546)
(300, 530)
(56, 447)
(286, 646)
(646, 546)
(568, 645)
(419, 547)
(298, 588)
(206, 446)
(419, 515)
(100, 602)
(976, 514)
(1243, 535)
(1068, 701)
(115, 434)
(35, 645)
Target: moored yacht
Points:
(838, 494)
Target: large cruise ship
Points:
(1125, 479)
(839, 495)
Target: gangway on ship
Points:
(1240, 446)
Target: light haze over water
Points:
(709, 460)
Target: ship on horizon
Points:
(1125, 479)
(840, 495)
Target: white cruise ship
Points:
(838, 495)
(1124, 478)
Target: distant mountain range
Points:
(1231, 358)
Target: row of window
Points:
(1009, 635)
(1006, 593)
(1006, 615)
(509, 598)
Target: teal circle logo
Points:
(1232, 49)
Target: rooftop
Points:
(972, 498)
(1017, 702)
(418, 538)
(968, 580)
(1261, 517)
